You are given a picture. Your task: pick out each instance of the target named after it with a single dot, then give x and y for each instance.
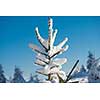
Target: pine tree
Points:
(90, 60)
(18, 78)
(46, 53)
(82, 69)
(93, 66)
(2, 77)
(33, 79)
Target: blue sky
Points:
(17, 32)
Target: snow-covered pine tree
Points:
(89, 74)
(33, 79)
(90, 60)
(36, 79)
(93, 68)
(2, 76)
(83, 69)
(18, 77)
(46, 53)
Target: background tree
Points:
(18, 77)
(2, 76)
(33, 79)
(90, 60)
(93, 68)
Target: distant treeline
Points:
(17, 77)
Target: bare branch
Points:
(72, 70)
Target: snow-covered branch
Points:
(43, 42)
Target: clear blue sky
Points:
(17, 32)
